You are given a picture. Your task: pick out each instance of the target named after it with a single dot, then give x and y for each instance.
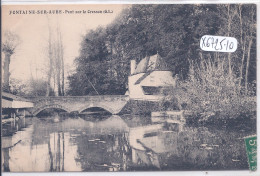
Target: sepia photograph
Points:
(129, 87)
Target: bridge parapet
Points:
(80, 98)
(111, 103)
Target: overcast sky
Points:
(33, 32)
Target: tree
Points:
(17, 87)
(55, 73)
(250, 33)
(37, 87)
(173, 31)
(239, 21)
(50, 58)
(59, 63)
(91, 76)
(10, 43)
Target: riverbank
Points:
(147, 107)
(247, 120)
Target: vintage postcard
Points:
(129, 87)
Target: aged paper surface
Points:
(128, 87)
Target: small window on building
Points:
(151, 90)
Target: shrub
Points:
(212, 89)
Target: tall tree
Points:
(251, 35)
(62, 63)
(50, 58)
(239, 21)
(55, 73)
(10, 43)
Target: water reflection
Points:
(119, 144)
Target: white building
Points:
(150, 80)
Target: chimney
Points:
(133, 65)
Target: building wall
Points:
(156, 78)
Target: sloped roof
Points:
(143, 77)
(11, 97)
(151, 63)
(13, 101)
(148, 65)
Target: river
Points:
(119, 143)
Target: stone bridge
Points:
(111, 103)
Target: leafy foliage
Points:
(9, 45)
(210, 88)
(173, 31)
(10, 42)
(34, 87)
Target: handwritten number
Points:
(216, 45)
(221, 43)
(208, 42)
(231, 45)
(212, 42)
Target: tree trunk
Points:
(48, 85)
(54, 84)
(58, 81)
(243, 44)
(62, 72)
(229, 28)
(59, 63)
(58, 67)
(6, 86)
(61, 52)
(242, 64)
(50, 64)
(248, 61)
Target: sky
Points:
(31, 25)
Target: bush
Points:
(212, 89)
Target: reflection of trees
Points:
(111, 148)
(107, 152)
(8, 129)
(10, 139)
(104, 146)
(45, 131)
(6, 158)
(63, 149)
(194, 149)
(51, 157)
(56, 152)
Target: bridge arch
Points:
(108, 109)
(54, 106)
